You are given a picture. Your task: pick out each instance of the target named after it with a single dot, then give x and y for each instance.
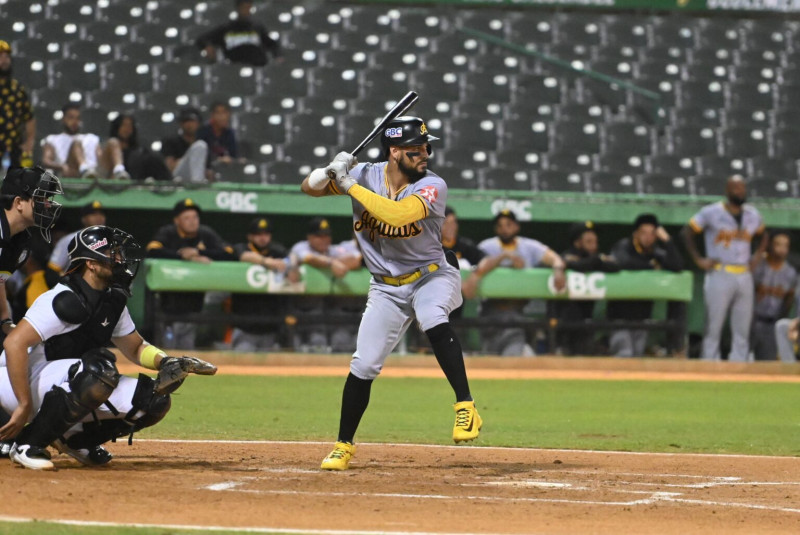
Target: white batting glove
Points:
(344, 183)
(336, 170)
(347, 158)
(318, 179)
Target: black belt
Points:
(766, 319)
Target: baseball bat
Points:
(402, 106)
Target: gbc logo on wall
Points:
(588, 286)
(237, 201)
(522, 209)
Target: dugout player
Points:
(17, 123)
(56, 368)
(775, 281)
(729, 228)
(398, 209)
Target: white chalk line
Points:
(482, 448)
(188, 527)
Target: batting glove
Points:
(344, 183)
(347, 158)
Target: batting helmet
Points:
(406, 131)
(110, 246)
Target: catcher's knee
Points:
(148, 408)
(93, 379)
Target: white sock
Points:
(118, 168)
(84, 166)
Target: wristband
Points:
(7, 321)
(148, 357)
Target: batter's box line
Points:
(232, 486)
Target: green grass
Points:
(750, 418)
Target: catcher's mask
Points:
(40, 186)
(111, 246)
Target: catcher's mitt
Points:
(173, 371)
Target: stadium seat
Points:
(477, 110)
(76, 12)
(458, 44)
(753, 73)
(532, 28)
(525, 134)
(462, 157)
(239, 172)
(627, 138)
(53, 99)
(126, 76)
(568, 161)
(269, 104)
(321, 129)
(691, 141)
(540, 89)
(343, 59)
(670, 164)
(660, 69)
(752, 94)
(720, 165)
(609, 182)
(165, 13)
(306, 153)
(334, 82)
(710, 186)
(445, 62)
(775, 188)
(663, 184)
(167, 102)
(285, 172)
(113, 100)
(125, 13)
(140, 52)
(746, 117)
(32, 73)
(480, 87)
(623, 31)
(576, 137)
(103, 32)
(53, 30)
(97, 121)
(707, 94)
(707, 72)
(232, 79)
(506, 178)
(261, 128)
(157, 34)
(358, 41)
(88, 51)
(74, 74)
(183, 78)
(384, 82)
(580, 32)
(518, 159)
(365, 18)
(786, 142)
(672, 31)
(473, 133)
(626, 164)
(592, 91)
(282, 81)
(324, 19)
(785, 118)
(696, 116)
(743, 142)
(458, 176)
(307, 40)
(155, 124)
(492, 64)
(444, 85)
(765, 166)
(560, 181)
(37, 49)
(788, 96)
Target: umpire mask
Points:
(40, 186)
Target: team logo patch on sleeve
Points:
(429, 193)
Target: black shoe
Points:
(96, 456)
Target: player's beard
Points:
(507, 239)
(736, 200)
(410, 171)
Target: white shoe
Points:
(31, 457)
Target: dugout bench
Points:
(503, 283)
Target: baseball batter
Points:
(398, 210)
(775, 281)
(729, 229)
(56, 369)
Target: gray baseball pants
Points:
(785, 346)
(725, 292)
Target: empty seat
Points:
(72, 11)
(516, 158)
(541, 89)
(113, 100)
(170, 102)
(157, 34)
(786, 143)
(334, 82)
(444, 62)
(621, 163)
(525, 134)
(259, 128)
(321, 129)
(75, 74)
(285, 81)
(458, 44)
(358, 41)
(696, 116)
(627, 138)
(568, 161)
(706, 72)
(443, 85)
(622, 32)
(464, 157)
(32, 73)
(671, 164)
(168, 13)
(480, 87)
(753, 73)
(239, 172)
(775, 168)
(752, 94)
(560, 181)
(492, 64)
(127, 76)
(660, 69)
(127, 13)
(586, 113)
(472, 132)
(97, 120)
(369, 18)
(709, 186)
(53, 30)
(386, 82)
(24, 11)
(669, 31)
(591, 91)
(579, 32)
(173, 78)
(155, 124)
(343, 59)
(103, 32)
(458, 176)
(37, 49)
(532, 28)
(663, 184)
(55, 98)
(506, 178)
(88, 51)
(720, 165)
(706, 94)
(691, 141)
(609, 182)
(743, 142)
(323, 18)
(140, 52)
(233, 79)
(788, 96)
(306, 152)
(286, 172)
(576, 137)
(746, 117)
(778, 188)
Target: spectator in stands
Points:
(186, 239)
(18, 129)
(92, 213)
(510, 250)
(317, 251)
(242, 40)
(729, 228)
(649, 247)
(184, 154)
(775, 281)
(583, 256)
(125, 158)
(72, 153)
(218, 135)
(262, 250)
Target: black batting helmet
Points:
(111, 246)
(405, 131)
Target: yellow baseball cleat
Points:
(468, 422)
(339, 458)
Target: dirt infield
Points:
(404, 488)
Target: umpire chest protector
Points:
(14, 248)
(97, 313)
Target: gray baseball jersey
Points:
(398, 251)
(726, 240)
(772, 286)
(532, 251)
(59, 258)
(302, 250)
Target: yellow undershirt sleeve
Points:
(393, 213)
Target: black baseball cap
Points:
(258, 225)
(576, 230)
(189, 114)
(505, 213)
(645, 219)
(92, 208)
(319, 226)
(182, 206)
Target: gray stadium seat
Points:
(506, 178)
(744, 142)
(765, 166)
(625, 164)
(75, 74)
(569, 161)
(285, 172)
(321, 129)
(576, 137)
(664, 184)
(691, 141)
(609, 182)
(671, 164)
(232, 79)
(241, 173)
(720, 165)
(560, 181)
(710, 185)
(627, 138)
(525, 134)
(778, 188)
(262, 128)
(180, 78)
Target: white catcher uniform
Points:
(44, 374)
(729, 284)
(412, 255)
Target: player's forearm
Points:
(688, 239)
(487, 264)
(5, 313)
(393, 213)
(17, 367)
(306, 188)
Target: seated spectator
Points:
(186, 239)
(775, 280)
(583, 256)
(648, 248)
(317, 251)
(218, 135)
(125, 158)
(508, 249)
(71, 153)
(242, 40)
(91, 214)
(184, 154)
(260, 249)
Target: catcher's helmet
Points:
(39, 185)
(110, 246)
(405, 131)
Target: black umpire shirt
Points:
(242, 41)
(166, 244)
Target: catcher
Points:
(56, 368)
